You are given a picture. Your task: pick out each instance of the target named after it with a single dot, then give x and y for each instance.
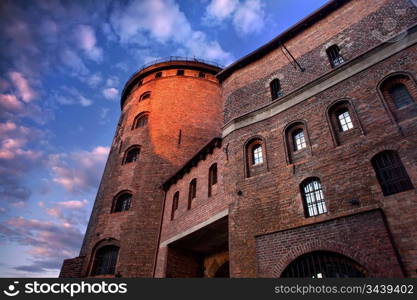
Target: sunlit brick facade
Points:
(298, 160)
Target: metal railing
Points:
(181, 58)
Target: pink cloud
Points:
(24, 90)
(86, 38)
(10, 102)
(78, 171)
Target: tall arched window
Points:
(275, 87)
(296, 141)
(144, 96)
(255, 157)
(175, 201)
(313, 198)
(390, 172)
(400, 95)
(399, 92)
(192, 193)
(105, 260)
(122, 202)
(131, 155)
(212, 178)
(344, 119)
(333, 53)
(323, 264)
(141, 120)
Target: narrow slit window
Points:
(175, 201)
(192, 192)
(212, 178)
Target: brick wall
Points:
(356, 27)
(362, 237)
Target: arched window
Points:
(105, 260)
(132, 154)
(400, 95)
(313, 198)
(255, 157)
(390, 172)
(175, 201)
(122, 202)
(144, 96)
(192, 193)
(212, 178)
(333, 53)
(399, 92)
(323, 264)
(299, 140)
(201, 75)
(275, 87)
(141, 120)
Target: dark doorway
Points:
(223, 271)
(323, 264)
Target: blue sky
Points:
(63, 65)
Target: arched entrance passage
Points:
(223, 271)
(323, 264)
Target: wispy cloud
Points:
(247, 16)
(110, 93)
(163, 21)
(79, 171)
(86, 39)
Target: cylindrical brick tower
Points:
(170, 110)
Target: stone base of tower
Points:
(71, 268)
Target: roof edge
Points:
(260, 52)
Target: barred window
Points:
(141, 120)
(312, 192)
(131, 155)
(345, 122)
(105, 260)
(333, 53)
(257, 157)
(390, 172)
(275, 87)
(299, 140)
(192, 192)
(212, 178)
(122, 202)
(323, 264)
(400, 95)
(175, 201)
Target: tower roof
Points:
(172, 62)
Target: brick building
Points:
(298, 160)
